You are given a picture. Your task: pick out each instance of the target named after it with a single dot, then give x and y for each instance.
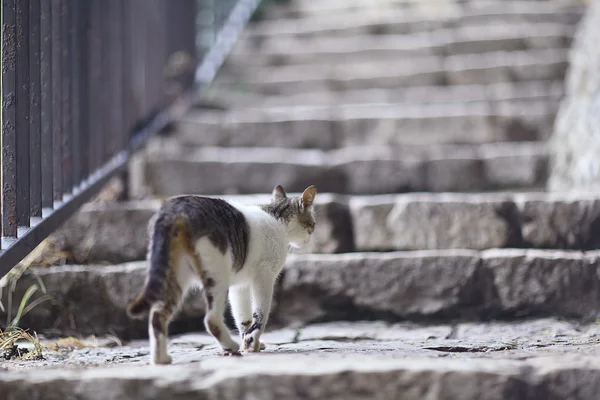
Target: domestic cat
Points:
(231, 250)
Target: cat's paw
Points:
(230, 354)
(162, 360)
(232, 348)
(253, 344)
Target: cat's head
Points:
(297, 213)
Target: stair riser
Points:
(418, 286)
(247, 56)
(473, 69)
(372, 223)
(357, 175)
(542, 90)
(396, 126)
(317, 375)
(398, 23)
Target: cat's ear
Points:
(308, 196)
(278, 193)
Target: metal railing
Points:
(84, 83)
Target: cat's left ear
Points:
(278, 193)
(308, 196)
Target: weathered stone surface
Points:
(371, 285)
(461, 69)
(331, 50)
(443, 284)
(535, 282)
(350, 170)
(384, 222)
(379, 170)
(112, 232)
(575, 143)
(395, 286)
(307, 129)
(441, 221)
(561, 221)
(422, 95)
(545, 359)
(332, 376)
(327, 127)
(454, 174)
(398, 21)
(421, 221)
(528, 65)
(91, 300)
(506, 166)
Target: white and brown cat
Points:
(231, 250)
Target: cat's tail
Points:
(166, 228)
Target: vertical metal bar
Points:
(141, 67)
(46, 103)
(93, 79)
(127, 72)
(189, 38)
(118, 31)
(22, 121)
(100, 85)
(57, 100)
(66, 69)
(9, 116)
(113, 71)
(35, 191)
(74, 21)
(104, 77)
(83, 111)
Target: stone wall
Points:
(575, 145)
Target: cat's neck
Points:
(278, 211)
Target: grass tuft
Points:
(12, 346)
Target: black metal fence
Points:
(84, 82)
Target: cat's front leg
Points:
(241, 307)
(262, 295)
(240, 301)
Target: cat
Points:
(231, 250)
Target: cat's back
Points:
(200, 211)
(221, 222)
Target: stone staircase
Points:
(422, 123)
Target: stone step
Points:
(462, 69)
(315, 370)
(370, 223)
(430, 221)
(436, 8)
(222, 99)
(397, 286)
(170, 170)
(329, 127)
(444, 42)
(541, 359)
(352, 6)
(382, 20)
